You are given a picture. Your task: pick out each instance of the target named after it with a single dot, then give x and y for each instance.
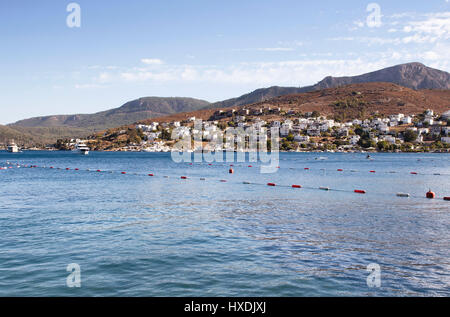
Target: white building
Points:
(301, 138)
(388, 138)
(383, 128)
(313, 131)
(354, 139)
(429, 120)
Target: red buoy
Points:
(67, 169)
(98, 170)
(231, 171)
(250, 166)
(123, 172)
(413, 173)
(183, 177)
(77, 169)
(151, 175)
(372, 171)
(359, 191)
(271, 184)
(430, 195)
(296, 186)
(340, 170)
(447, 198)
(306, 168)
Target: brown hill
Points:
(410, 75)
(343, 103)
(130, 112)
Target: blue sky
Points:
(211, 50)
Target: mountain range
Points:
(44, 129)
(412, 75)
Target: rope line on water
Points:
(429, 195)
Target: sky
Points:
(207, 49)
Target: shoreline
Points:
(443, 151)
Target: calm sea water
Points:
(135, 235)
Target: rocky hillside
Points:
(344, 103)
(130, 112)
(411, 75)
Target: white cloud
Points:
(88, 86)
(152, 61)
(292, 72)
(264, 49)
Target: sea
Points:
(142, 224)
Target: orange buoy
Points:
(271, 184)
(430, 194)
(231, 171)
(296, 186)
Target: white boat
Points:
(13, 148)
(81, 148)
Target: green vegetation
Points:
(410, 136)
(350, 108)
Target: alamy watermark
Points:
(73, 20)
(374, 278)
(74, 278)
(374, 18)
(231, 145)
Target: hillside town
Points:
(310, 131)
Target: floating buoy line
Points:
(340, 170)
(428, 195)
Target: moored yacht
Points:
(13, 148)
(81, 148)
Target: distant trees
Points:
(315, 114)
(385, 146)
(366, 143)
(62, 144)
(135, 136)
(166, 135)
(410, 136)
